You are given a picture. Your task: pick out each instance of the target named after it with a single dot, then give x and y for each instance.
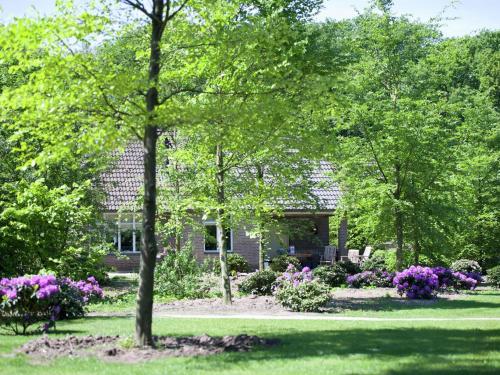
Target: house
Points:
(123, 182)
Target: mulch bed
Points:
(113, 348)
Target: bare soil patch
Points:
(112, 348)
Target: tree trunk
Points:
(416, 254)
(260, 181)
(220, 223)
(398, 214)
(144, 308)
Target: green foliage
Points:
(333, 276)
(81, 263)
(281, 262)
(178, 274)
(494, 276)
(374, 263)
(308, 296)
(236, 263)
(259, 283)
(389, 257)
(349, 267)
(466, 266)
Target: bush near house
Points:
(333, 276)
(299, 291)
(259, 283)
(494, 276)
(349, 267)
(281, 262)
(235, 264)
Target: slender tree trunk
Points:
(398, 214)
(144, 309)
(262, 251)
(260, 181)
(220, 223)
(417, 249)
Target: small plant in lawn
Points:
(494, 276)
(333, 276)
(449, 279)
(281, 262)
(298, 291)
(417, 282)
(27, 300)
(259, 283)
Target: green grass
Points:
(310, 347)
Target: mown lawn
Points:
(307, 347)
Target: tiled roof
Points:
(123, 182)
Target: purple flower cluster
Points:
(363, 279)
(89, 289)
(26, 300)
(448, 279)
(417, 282)
(44, 286)
(294, 277)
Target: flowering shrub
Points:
(468, 267)
(462, 281)
(454, 280)
(298, 291)
(25, 301)
(361, 280)
(259, 283)
(281, 262)
(417, 282)
(377, 278)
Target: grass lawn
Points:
(311, 347)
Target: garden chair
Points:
(329, 255)
(366, 253)
(352, 255)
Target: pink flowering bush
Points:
(417, 282)
(449, 279)
(299, 291)
(27, 300)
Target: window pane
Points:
(127, 240)
(210, 237)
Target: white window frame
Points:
(134, 236)
(212, 222)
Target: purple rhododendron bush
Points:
(300, 291)
(419, 282)
(27, 300)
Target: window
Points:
(127, 236)
(211, 238)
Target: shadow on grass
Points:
(406, 350)
(394, 304)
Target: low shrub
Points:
(362, 279)
(468, 267)
(384, 279)
(235, 264)
(333, 276)
(178, 275)
(259, 283)
(309, 296)
(448, 279)
(375, 263)
(26, 301)
(349, 267)
(494, 276)
(417, 282)
(281, 262)
(298, 291)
